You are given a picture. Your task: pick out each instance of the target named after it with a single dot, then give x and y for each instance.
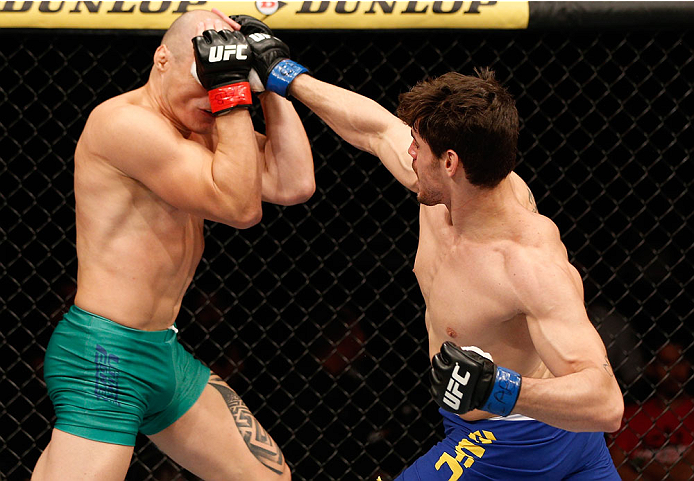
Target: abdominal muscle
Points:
(140, 286)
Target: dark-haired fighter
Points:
(150, 166)
(495, 275)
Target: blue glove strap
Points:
(505, 392)
(282, 75)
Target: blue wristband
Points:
(282, 75)
(505, 392)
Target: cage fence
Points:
(314, 316)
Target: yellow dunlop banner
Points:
(280, 15)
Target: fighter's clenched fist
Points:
(271, 55)
(463, 380)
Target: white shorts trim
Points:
(512, 417)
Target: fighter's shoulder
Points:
(541, 231)
(538, 254)
(121, 132)
(120, 115)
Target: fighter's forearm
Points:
(236, 170)
(583, 401)
(288, 176)
(355, 118)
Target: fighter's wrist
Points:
(227, 97)
(295, 88)
(505, 391)
(282, 75)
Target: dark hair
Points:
(473, 116)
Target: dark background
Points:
(314, 316)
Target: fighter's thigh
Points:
(69, 457)
(218, 438)
(435, 465)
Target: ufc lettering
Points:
(258, 36)
(453, 395)
(224, 52)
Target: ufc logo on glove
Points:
(484, 385)
(224, 52)
(258, 36)
(453, 395)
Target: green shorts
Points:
(109, 381)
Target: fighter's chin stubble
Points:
(428, 199)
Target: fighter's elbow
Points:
(305, 185)
(614, 414)
(298, 194)
(608, 413)
(609, 423)
(248, 218)
(613, 425)
(305, 191)
(241, 215)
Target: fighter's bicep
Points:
(566, 341)
(147, 149)
(275, 181)
(558, 324)
(182, 176)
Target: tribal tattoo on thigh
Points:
(259, 442)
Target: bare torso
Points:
(136, 253)
(464, 283)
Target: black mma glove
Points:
(271, 55)
(250, 24)
(223, 61)
(463, 380)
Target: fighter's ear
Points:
(451, 161)
(162, 58)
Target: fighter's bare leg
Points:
(69, 457)
(218, 438)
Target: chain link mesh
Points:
(314, 317)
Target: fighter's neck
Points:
(475, 209)
(153, 94)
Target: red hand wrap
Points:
(229, 96)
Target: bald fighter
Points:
(150, 166)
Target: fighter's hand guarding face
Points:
(249, 25)
(223, 61)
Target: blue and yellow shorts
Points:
(108, 381)
(512, 449)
